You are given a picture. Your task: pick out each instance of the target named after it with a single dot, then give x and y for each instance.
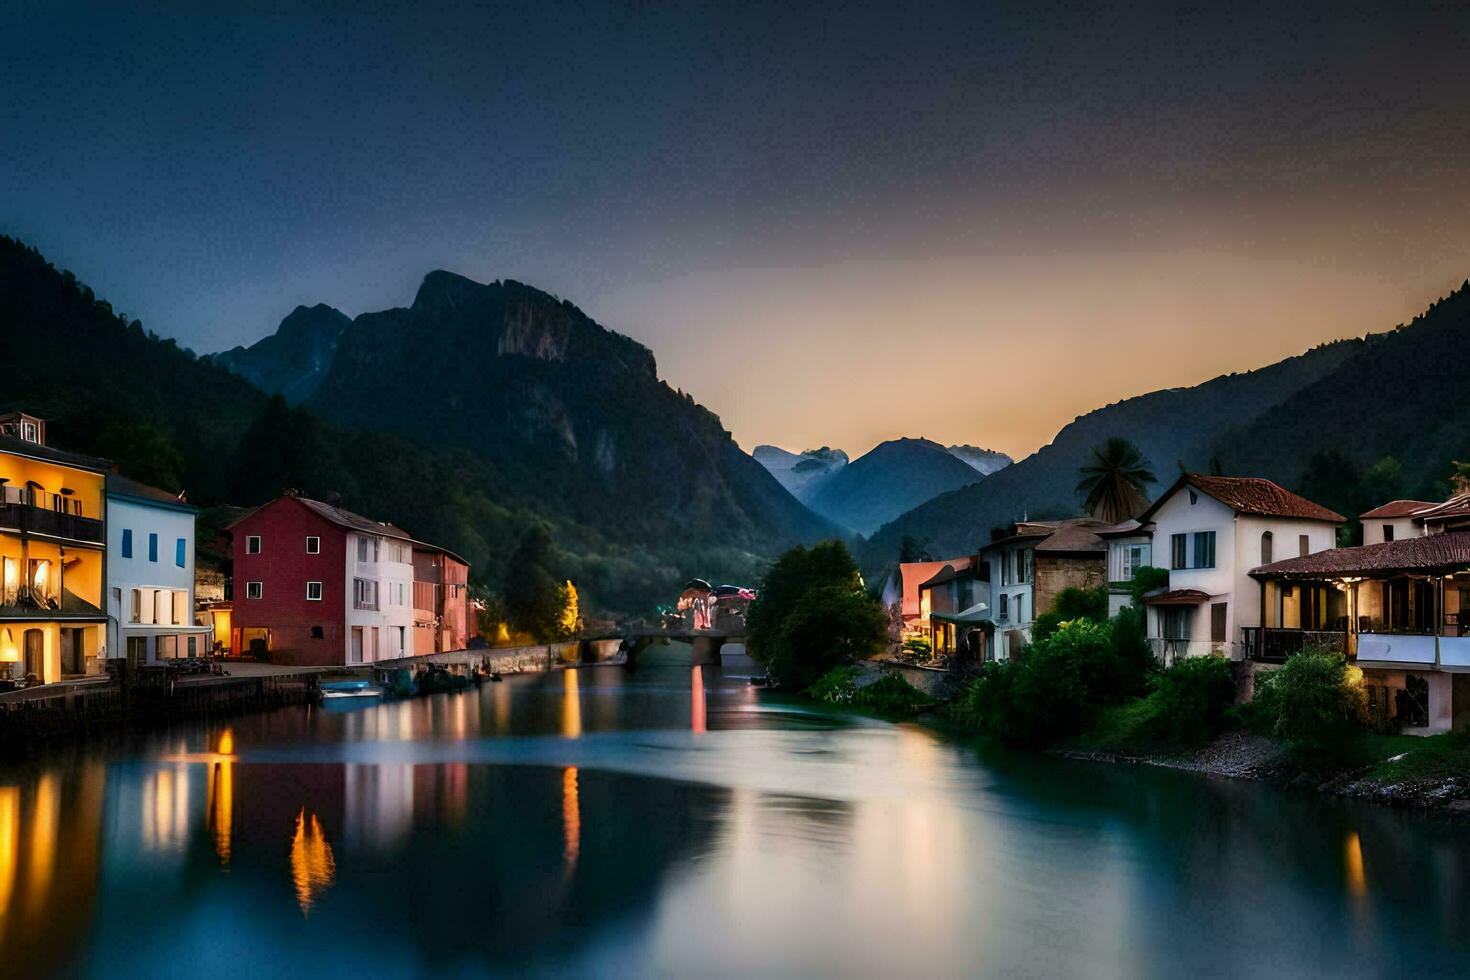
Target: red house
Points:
(441, 604)
(319, 585)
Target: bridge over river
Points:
(704, 643)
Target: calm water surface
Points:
(668, 821)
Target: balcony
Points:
(32, 511)
(1273, 645)
(1168, 651)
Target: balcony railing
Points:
(39, 512)
(1273, 645)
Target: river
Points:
(670, 821)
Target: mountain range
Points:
(464, 417)
(1310, 422)
(888, 480)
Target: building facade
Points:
(1029, 566)
(441, 602)
(1210, 532)
(316, 584)
(52, 557)
(150, 575)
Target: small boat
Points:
(350, 689)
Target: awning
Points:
(978, 613)
(1177, 597)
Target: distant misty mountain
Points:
(804, 473)
(892, 478)
(987, 461)
(292, 361)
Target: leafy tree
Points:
(1382, 482)
(1115, 481)
(811, 614)
(535, 601)
(1190, 699)
(1333, 480)
(1459, 477)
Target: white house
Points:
(1130, 547)
(1393, 521)
(379, 606)
(1209, 532)
(150, 575)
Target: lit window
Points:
(253, 590)
(252, 544)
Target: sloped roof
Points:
(426, 546)
(121, 486)
(1397, 508)
(1125, 529)
(1177, 597)
(1073, 539)
(21, 447)
(1456, 506)
(1249, 495)
(951, 571)
(1433, 553)
(354, 522)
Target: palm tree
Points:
(1114, 481)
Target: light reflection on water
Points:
(669, 820)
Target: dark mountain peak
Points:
(891, 478)
(292, 361)
(311, 323)
(445, 290)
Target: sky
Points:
(833, 224)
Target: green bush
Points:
(919, 645)
(1071, 603)
(1145, 580)
(1315, 702)
(890, 695)
(1190, 700)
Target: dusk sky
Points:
(967, 221)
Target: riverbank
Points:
(1411, 772)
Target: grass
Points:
(888, 697)
(1125, 728)
(1405, 758)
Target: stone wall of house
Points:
(1052, 575)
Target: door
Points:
(35, 644)
(73, 655)
(355, 657)
(137, 651)
(1217, 622)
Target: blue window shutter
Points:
(127, 543)
(179, 553)
(152, 547)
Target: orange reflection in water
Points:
(696, 699)
(571, 820)
(313, 868)
(9, 844)
(571, 704)
(221, 805)
(1357, 881)
(45, 816)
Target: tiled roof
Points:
(1127, 528)
(1079, 538)
(1456, 506)
(1397, 508)
(1177, 597)
(1433, 553)
(1250, 495)
(354, 522)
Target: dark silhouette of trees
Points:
(1115, 481)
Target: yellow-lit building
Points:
(52, 556)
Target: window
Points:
(253, 590)
(313, 545)
(135, 613)
(29, 432)
(179, 556)
(314, 591)
(1204, 549)
(127, 543)
(1020, 609)
(152, 547)
(317, 633)
(1304, 545)
(1135, 556)
(181, 607)
(402, 639)
(364, 593)
(1004, 606)
(1193, 498)
(1005, 568)
(1266, 558)
(1387, 534)
(362, 549)
(1026, 555)
(252, 544)
(1176, 622)
(1176, 551)
(1217, 621)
